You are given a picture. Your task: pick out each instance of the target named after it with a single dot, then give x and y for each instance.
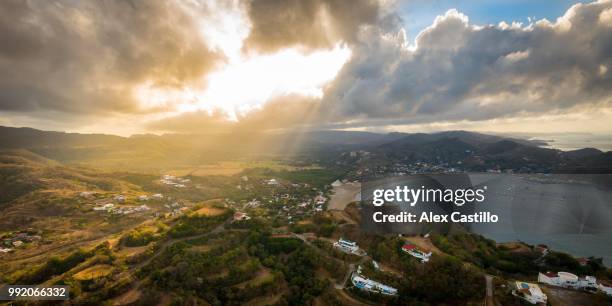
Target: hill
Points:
(157, 153)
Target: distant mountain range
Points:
(475, 151)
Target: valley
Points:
(254, 230)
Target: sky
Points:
(201, 66)
(418, 14)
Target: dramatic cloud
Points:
(290, 111)
(459, 71)
(311, 24)
(255, 65)
(85, 57)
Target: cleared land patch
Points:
(94, 272)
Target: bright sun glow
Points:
(245, 82)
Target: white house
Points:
(119, 198)
(107, 206)
(142, 208)
(157, 196)
(416, 252)
(560, 279)
(143, 198)
(366, 284)
(85, 194)
(529, 292)
(567, 280)
(240, 216)
(375, 265)
(347, 246)
(588, 283)
(606, 288)
(319, 200)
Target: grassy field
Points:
(94, 272)
(209, 211)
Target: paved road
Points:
(350, 271)
(489, 301)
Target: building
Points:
(253, 203)
(583, 261)
(86, 194)
(157, 196)
(366, 284)
(605, 288)
(240, 216)
(142, 207)
(569, 280)
(119, 198)
(529, 292)
(416, 252)
(105, 207)
(320, 200)
(347, 246)
(542, 249)
(375, 265)
(143, 198)
(559, 279)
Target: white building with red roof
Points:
(416, 252)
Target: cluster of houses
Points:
(349, 247)
(144, 197)
(176, 209)
(572, 281)
(319, 201)
(289, 205)
(363, 283)
(174, 181)
(534, 295)
(121, 210)
(18, 239)
(414, 251)
(272, 182)
(401, 169)
(104, 205)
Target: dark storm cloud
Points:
(311, 24)
(87, 56)
(457, 71)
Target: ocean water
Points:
(567, 142)
(567, 213)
